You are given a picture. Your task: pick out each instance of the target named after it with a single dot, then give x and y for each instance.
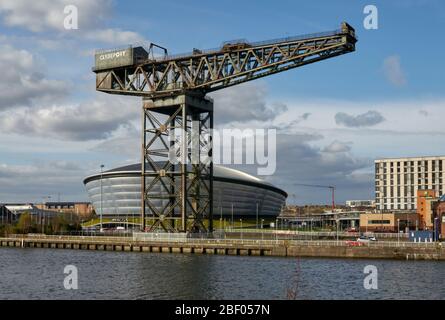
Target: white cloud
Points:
(423, 113)
(367, 119)
(393, 71)
(403, 133)
(22, 82)
(246, 102)
(300, 162)
(337, 146)
(48, 15)
(400, 116)
(30, 182)
(44, 15)
(91, 120)
(114, 36)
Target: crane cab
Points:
(235, 45)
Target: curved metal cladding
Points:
(121, 193)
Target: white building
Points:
(360, 203)
(397, 181)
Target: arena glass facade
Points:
(121, 192)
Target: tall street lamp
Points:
(101, 172)
(336, 222)
(262, 233)
(241, 222)
(398, 231)
(257, 215)
(312, 219)
(220, 210)
(232, 217)
(42, 211)
(276, 230)
(367, 222)
(435, 238)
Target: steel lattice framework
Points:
(185, 185)
(175, 86)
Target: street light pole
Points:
(337, 229)
(311, 227)
(262, 233)
(42, 212)
(220, 217)
(101, 172)
(367, 222)
(435, 230)
(276, 230)
(398, 232)
(257, 215)
(241, 221)
(232, 217)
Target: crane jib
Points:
(134, 71)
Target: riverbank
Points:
(237, 247)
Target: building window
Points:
(379, 221)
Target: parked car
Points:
(354, 243)
(366, 239)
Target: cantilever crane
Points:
(174, 92)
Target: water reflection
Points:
(38, 274)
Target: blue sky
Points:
(404, 26)
(384, 100)
(409, 27)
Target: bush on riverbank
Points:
(27, 224)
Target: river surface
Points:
(39, 274)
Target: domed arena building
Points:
(234, 191)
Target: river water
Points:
(39, 274)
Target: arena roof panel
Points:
(219, 173)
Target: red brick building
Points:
(82, 209)
(425, 202)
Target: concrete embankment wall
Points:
(241, 248)
(365, 252)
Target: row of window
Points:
(410, 177)
(408, 170)
(396, 207)
(408, 188)
(421, 165)
(397, 199)
(420, 185)
(382, 191)
(379, 222)
(60, 206)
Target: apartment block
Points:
(398, 180)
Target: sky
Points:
(333, 117)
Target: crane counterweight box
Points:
(119, 58)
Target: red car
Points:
(354, 243)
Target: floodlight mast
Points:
(176, 87)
